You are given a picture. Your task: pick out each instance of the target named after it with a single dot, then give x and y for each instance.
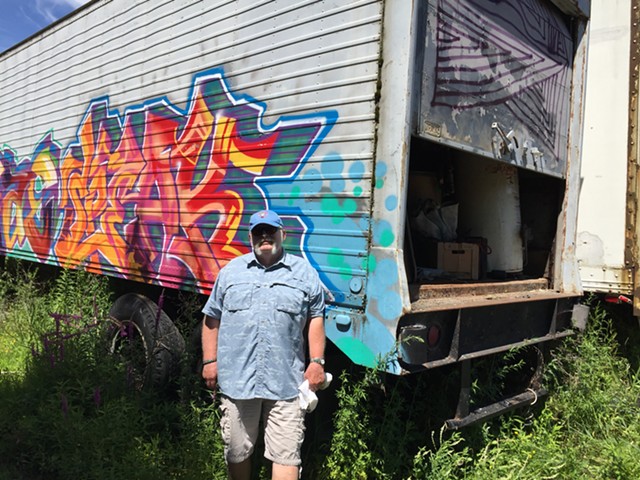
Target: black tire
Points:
(195, 347)
(148, 341)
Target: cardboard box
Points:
(461, 260)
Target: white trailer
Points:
(607, 246)
(425, 155)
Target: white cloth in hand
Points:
(308, 399)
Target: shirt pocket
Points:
(238, 297)
(290, 299)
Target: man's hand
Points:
(315, 375)
(210, 375)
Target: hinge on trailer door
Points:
(502, 143)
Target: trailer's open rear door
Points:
(493, 181)
(497, 81)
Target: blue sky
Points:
(21, 18)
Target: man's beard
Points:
(275, 249)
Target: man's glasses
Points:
(260, 230)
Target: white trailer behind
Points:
(607, 243)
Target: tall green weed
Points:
(67, 409)
(588, 428)
(381, 422)
(24, 315)
(70, 411)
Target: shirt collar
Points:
(252, 260)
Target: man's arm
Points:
(317, 340)
(210, 328)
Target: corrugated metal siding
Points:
(139, 136)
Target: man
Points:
(253, 348)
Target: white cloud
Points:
(22, 18)
(51, 10)
(45, 9)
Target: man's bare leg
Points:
(284, 472)
(240, 471)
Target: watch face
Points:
(318, 360)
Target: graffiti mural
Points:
(154, 194)
(506, 63)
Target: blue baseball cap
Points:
(268, 217)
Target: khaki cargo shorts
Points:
(283, 422)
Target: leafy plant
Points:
(380, 423)
(68, 411)
(23, 316)
(587, 429)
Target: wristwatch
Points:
(318, 360)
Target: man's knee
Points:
(239, 425)
(284, 432)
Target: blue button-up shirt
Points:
(263, 313)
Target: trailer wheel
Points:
(147, 340)
(195, 347)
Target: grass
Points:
(589, 427)
(67, 409)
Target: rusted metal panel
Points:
(566, 276)
(428, 291)
(476, 328)
(631, 210)
(632, 247)
(605, 278)
(497, 81)
(436, 304)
